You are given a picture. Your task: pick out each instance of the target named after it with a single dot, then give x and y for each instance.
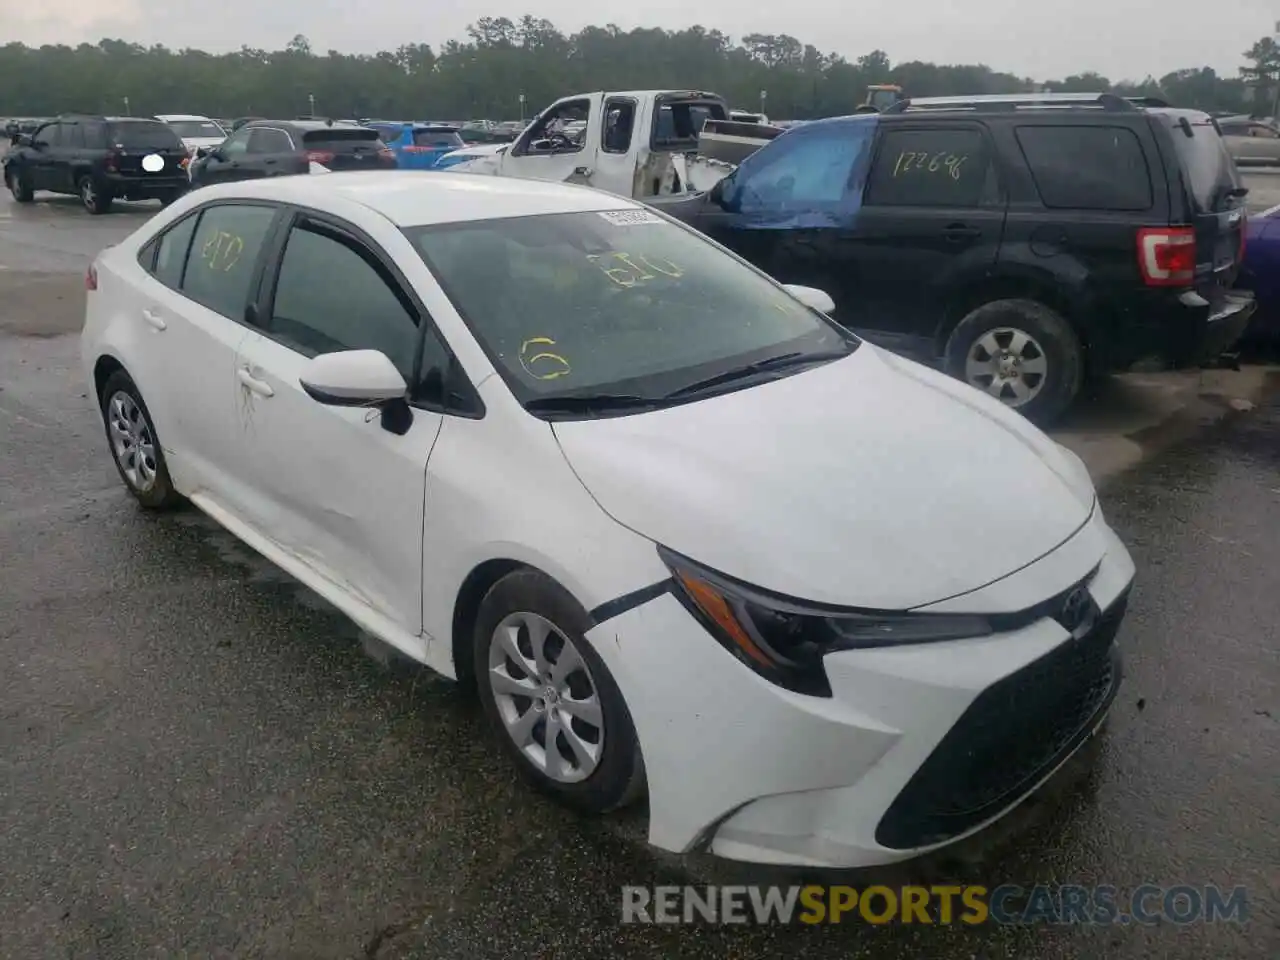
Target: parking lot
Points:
(202, 758)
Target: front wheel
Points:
(549, 697)
(20, 186)
(1020, 352)
(97, 201)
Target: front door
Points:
(331, 485)
(562, 144)
(932, 214)
(271, 153)
(227, 161)
(790, 209)
(39, 161)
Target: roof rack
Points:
(1014, 101)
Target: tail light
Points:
(91, 278)
(113, 162)
(320, 156)
(1167, 256)
(386, 155)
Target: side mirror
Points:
(202, 152)
(360, 378)
(811, 297)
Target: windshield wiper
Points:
(591, 403)
(782, 361)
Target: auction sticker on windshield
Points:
(629, 218)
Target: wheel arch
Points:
(466, 606)
(103, 368)
(1036, 285)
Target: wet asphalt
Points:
(199, 757)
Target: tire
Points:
(1013, 340)
(129, 427)
(524, 598)
(96, 201)
(19, 186)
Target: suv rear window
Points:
(144, 134)
(1207, 167)
(437, 138)
(341, 141)
(1087, 168)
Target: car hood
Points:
(871, 482)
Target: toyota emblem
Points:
(1077, 611)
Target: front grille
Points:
(1013, 734)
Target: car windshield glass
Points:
(150, 135)
(1211, 174)
(196, 129)
(620, 302)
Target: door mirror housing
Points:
(353, 378)
(811, 297)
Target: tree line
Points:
(502, 60)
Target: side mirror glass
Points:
(353, 378)
(811, 297)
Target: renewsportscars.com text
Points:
(1145, 905)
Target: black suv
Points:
(1023, 242)
(274, 148)
(99, 159)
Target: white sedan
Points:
(685, 534)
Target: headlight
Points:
(785, 640)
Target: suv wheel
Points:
(1022, 353)
(19, 186)
(95, 201)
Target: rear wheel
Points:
(1021, 352)
(97, 201)
(19, 186)
(134, 445)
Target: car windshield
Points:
(144, 134)
(580, 305)
(196, 129)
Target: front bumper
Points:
(867, 776)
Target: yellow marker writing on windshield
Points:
(554, 365)
(633, 272)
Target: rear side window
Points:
(341, 141)
(144, 135)
(1207, 168)
(223, 253)
(1087, 168)
(95, 134)
(436, 138)
(171, 252)
(939, 167)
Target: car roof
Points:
(181, 116)
(307, 126)
(410, 198)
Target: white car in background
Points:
(684, 533)
(195, 131)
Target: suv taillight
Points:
(1167, 256)
(112, 161)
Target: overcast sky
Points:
(1119, 38)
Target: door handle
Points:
(955, 232)
(260, 387)
(154, 319)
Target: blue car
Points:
(1260, 272)
(418, 146)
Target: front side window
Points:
(933, 167)
(618, 302)
(808, 169)
(238, 143)
(266, 140)
(224, 253)
(332, 294)
(50, 135)
(558, 130)
(1087, 168)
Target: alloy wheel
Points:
(546, 697)
(132, 441)
(1009, 364)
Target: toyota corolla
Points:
(685, 535)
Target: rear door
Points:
(347, 148)
(932, 219)
(271, 153)
(1213, 200)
